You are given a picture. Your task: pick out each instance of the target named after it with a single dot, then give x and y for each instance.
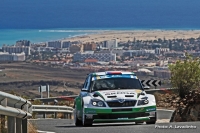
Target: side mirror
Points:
(146, 87)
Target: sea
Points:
(47, 20)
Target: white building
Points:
(44, 49)
(110, 44)
(141, 52)
(161, 50)
(105, 57)
(5, 56)
(55, 44)
(17, 49)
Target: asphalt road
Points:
(67, 126)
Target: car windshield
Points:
(116, 83)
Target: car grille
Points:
(124, 104)
(116, 116)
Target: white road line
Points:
(44, 131)
(163, 121)
(166, 110)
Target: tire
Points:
(86, 122)
(151, 122)
(152, 119)
(139, 123)
(76, 120)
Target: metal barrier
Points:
(49, 109)
(17, 110)
(161, 90)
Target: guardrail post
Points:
(11, 124)
(44, 115)
(18, 125)
(24, 126)
(24, 121)
(65, 116)
(3, 120)
(55, 115)
(70, 116)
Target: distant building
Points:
(161, 50)
(16, 49)
(66, 44)
(5, 56)
(105, 57)
(141, 52)
(44, 49)
(23, 43)
(76, 48)
(110, 44)
(55, 44)
(89, 47)
(174, 54)
(166, 74)
(91, 61)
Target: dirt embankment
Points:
(30, 89)
(25, 78)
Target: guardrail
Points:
(49, 109)
(17, 110)
(58, 98)
(161, 90)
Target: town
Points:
(147, 58)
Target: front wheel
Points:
(152, 119)
(139, 123)
(151, 122)
(76, 120)
(86, 122)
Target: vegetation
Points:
(185, 75)
(32, 128)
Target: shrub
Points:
(185, 75)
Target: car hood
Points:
(109, 95)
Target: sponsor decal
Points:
(91, 111)
(141, 109)
(98, 77)
(138, 91)
(151, 109)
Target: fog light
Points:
(100, 104)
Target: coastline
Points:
(129, 35)
(98, 35)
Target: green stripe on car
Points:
(109, 110)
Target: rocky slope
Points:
(188, 108)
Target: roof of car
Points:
(110, 72)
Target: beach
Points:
(129, 35)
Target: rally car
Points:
(113, 96)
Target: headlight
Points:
(142, 102)
(98, 103)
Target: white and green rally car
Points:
(113, 96)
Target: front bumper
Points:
(121, 114)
